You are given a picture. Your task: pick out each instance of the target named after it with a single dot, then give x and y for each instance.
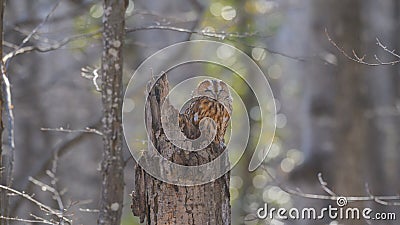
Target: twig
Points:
(61, 129)
(221, 35)
(55, 46)
(34, 31)
(324, 185)
(89, 210)
(53, 190)
(36, 36)
(177, 18)
(332, 196)
(218, 35)
(378, 199)
(391, 52)
(10, 45)
(357, 59)
(58, 151)
(41, 218)
(302, 59)
(42, 206)
(93, 74)
(56, 194)
(27, 220)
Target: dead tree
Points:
(158, 202)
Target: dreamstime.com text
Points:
(335, 213)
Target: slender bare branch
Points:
(27, 220)
(32, 33)
(221, 35)
(93, 74)
(56, 195)
(41, 205)
(176, 18)
(324, 186)
(66, 130)
(55, 45)
(58, 151)
(89, 210)
(333, 196)
(361, 60)
(35, 30)
(48, 48)
(391, 52)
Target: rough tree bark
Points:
(112, 164)
(162, 203)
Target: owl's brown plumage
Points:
(211, 99)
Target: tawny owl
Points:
(211, 99)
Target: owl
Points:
(210, 99)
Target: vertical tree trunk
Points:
(383, 138)
(396, 84)
(4, 179)
(162, 203)
(317, 81)
(351, 102)
(112, 164)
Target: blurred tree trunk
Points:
(383, 121)
(396, 84)
(364, 140)
(319, 98)
(112, 165)
(339, 103)
(316, 104)
(338, 100)
(162, 203)
(383, 141)
(5, 173)
(351, 103)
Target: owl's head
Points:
(216, 89)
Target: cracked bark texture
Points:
(157, 202)
(111, 91)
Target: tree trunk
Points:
(163, 203)
(352, 102)
(112, 164)
(5, 173)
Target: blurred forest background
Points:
(336, 117)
